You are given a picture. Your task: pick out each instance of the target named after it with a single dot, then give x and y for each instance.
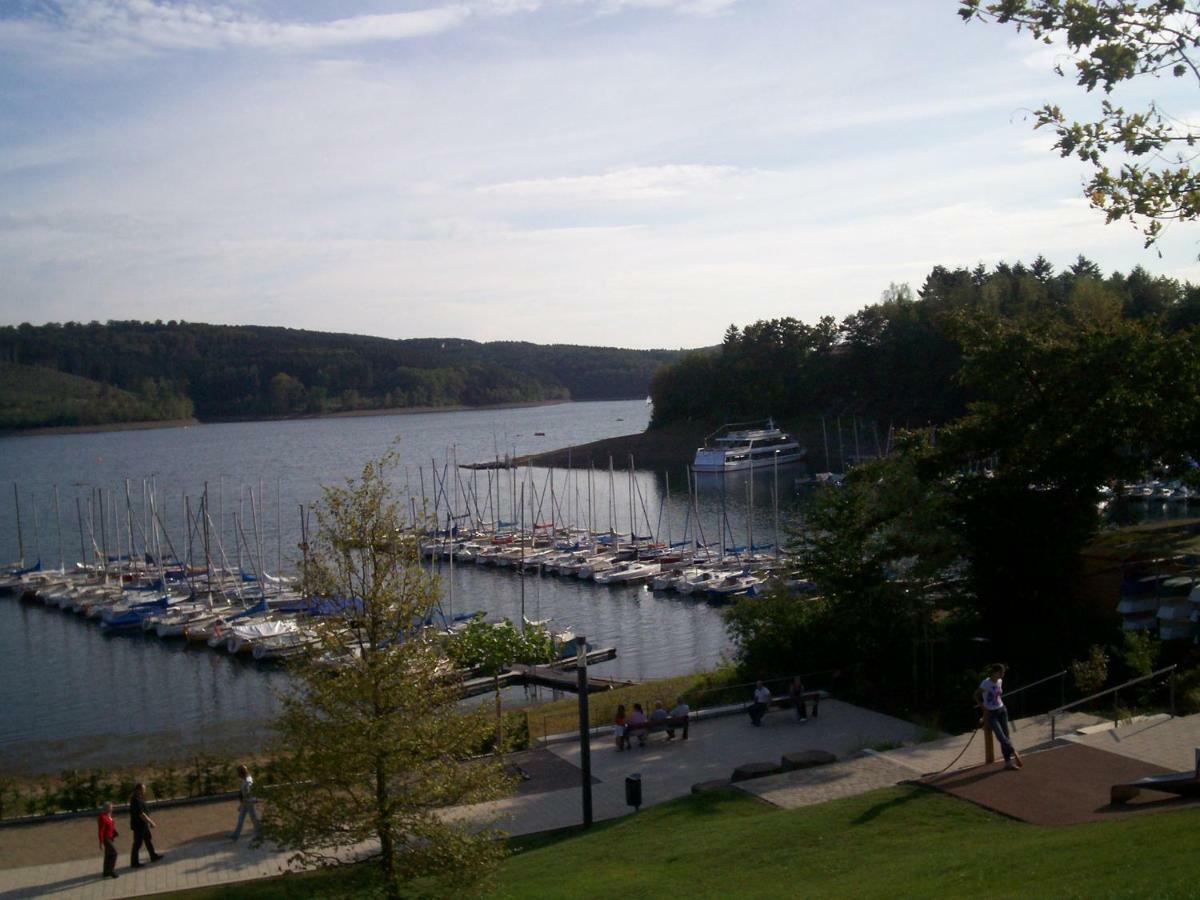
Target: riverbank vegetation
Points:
(228, 372)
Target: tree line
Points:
(250, 371)
(899, 360)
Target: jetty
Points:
(557, 675)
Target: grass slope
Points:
(904, 842)
(897, 842)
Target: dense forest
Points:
(242, 372)
(897, 361)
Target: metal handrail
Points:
(1032, 684)
(1054, 713)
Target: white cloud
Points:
(133, 27)
(645, 182)
(706, 8)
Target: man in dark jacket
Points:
(140, 824)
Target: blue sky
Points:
(636, 173)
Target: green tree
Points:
(376, 751)
(1141, 159)
(493, 649)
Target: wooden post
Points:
(989, 744)
(585, 746)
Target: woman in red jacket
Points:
(108, 833)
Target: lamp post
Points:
(585, 746)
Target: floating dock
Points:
(558, 675)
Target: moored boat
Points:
(730, 450)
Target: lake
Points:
(77, 697)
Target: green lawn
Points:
(897, 842)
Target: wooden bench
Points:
(1185, 784)
(676, 723)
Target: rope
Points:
(966, 746)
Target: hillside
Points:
(34, 396)
(227, 372)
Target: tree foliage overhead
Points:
(232, 372)
(1141, 159)
(376, 751)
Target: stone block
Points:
(806, 759)
(747, 771)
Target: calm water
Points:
(77, 697)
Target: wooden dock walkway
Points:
(559, 675)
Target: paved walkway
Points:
(805, 787)
(668, 769)
(199, 853)
(1161, 740)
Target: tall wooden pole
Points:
(585, 745)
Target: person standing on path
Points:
(140, 824)
(989, 695)
(246, 802)
(108, 834)
(797, 692)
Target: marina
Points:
(84, 694)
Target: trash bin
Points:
(633, 790)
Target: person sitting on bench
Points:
(680, 712)
(659, 715)
(762, 700)
(637, 722)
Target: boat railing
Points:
(729, 426)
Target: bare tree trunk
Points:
(387, 847)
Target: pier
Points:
(557, 675)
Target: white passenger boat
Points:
(728, 450)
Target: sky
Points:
(632, 173)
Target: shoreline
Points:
(666, 447)
(341, 414)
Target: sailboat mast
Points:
(20, 536)
(62, 553)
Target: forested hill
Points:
(898, 361)
(248, 371)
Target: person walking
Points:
(989, 696)
(246, 804)
(108, 834)
(140, 824)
